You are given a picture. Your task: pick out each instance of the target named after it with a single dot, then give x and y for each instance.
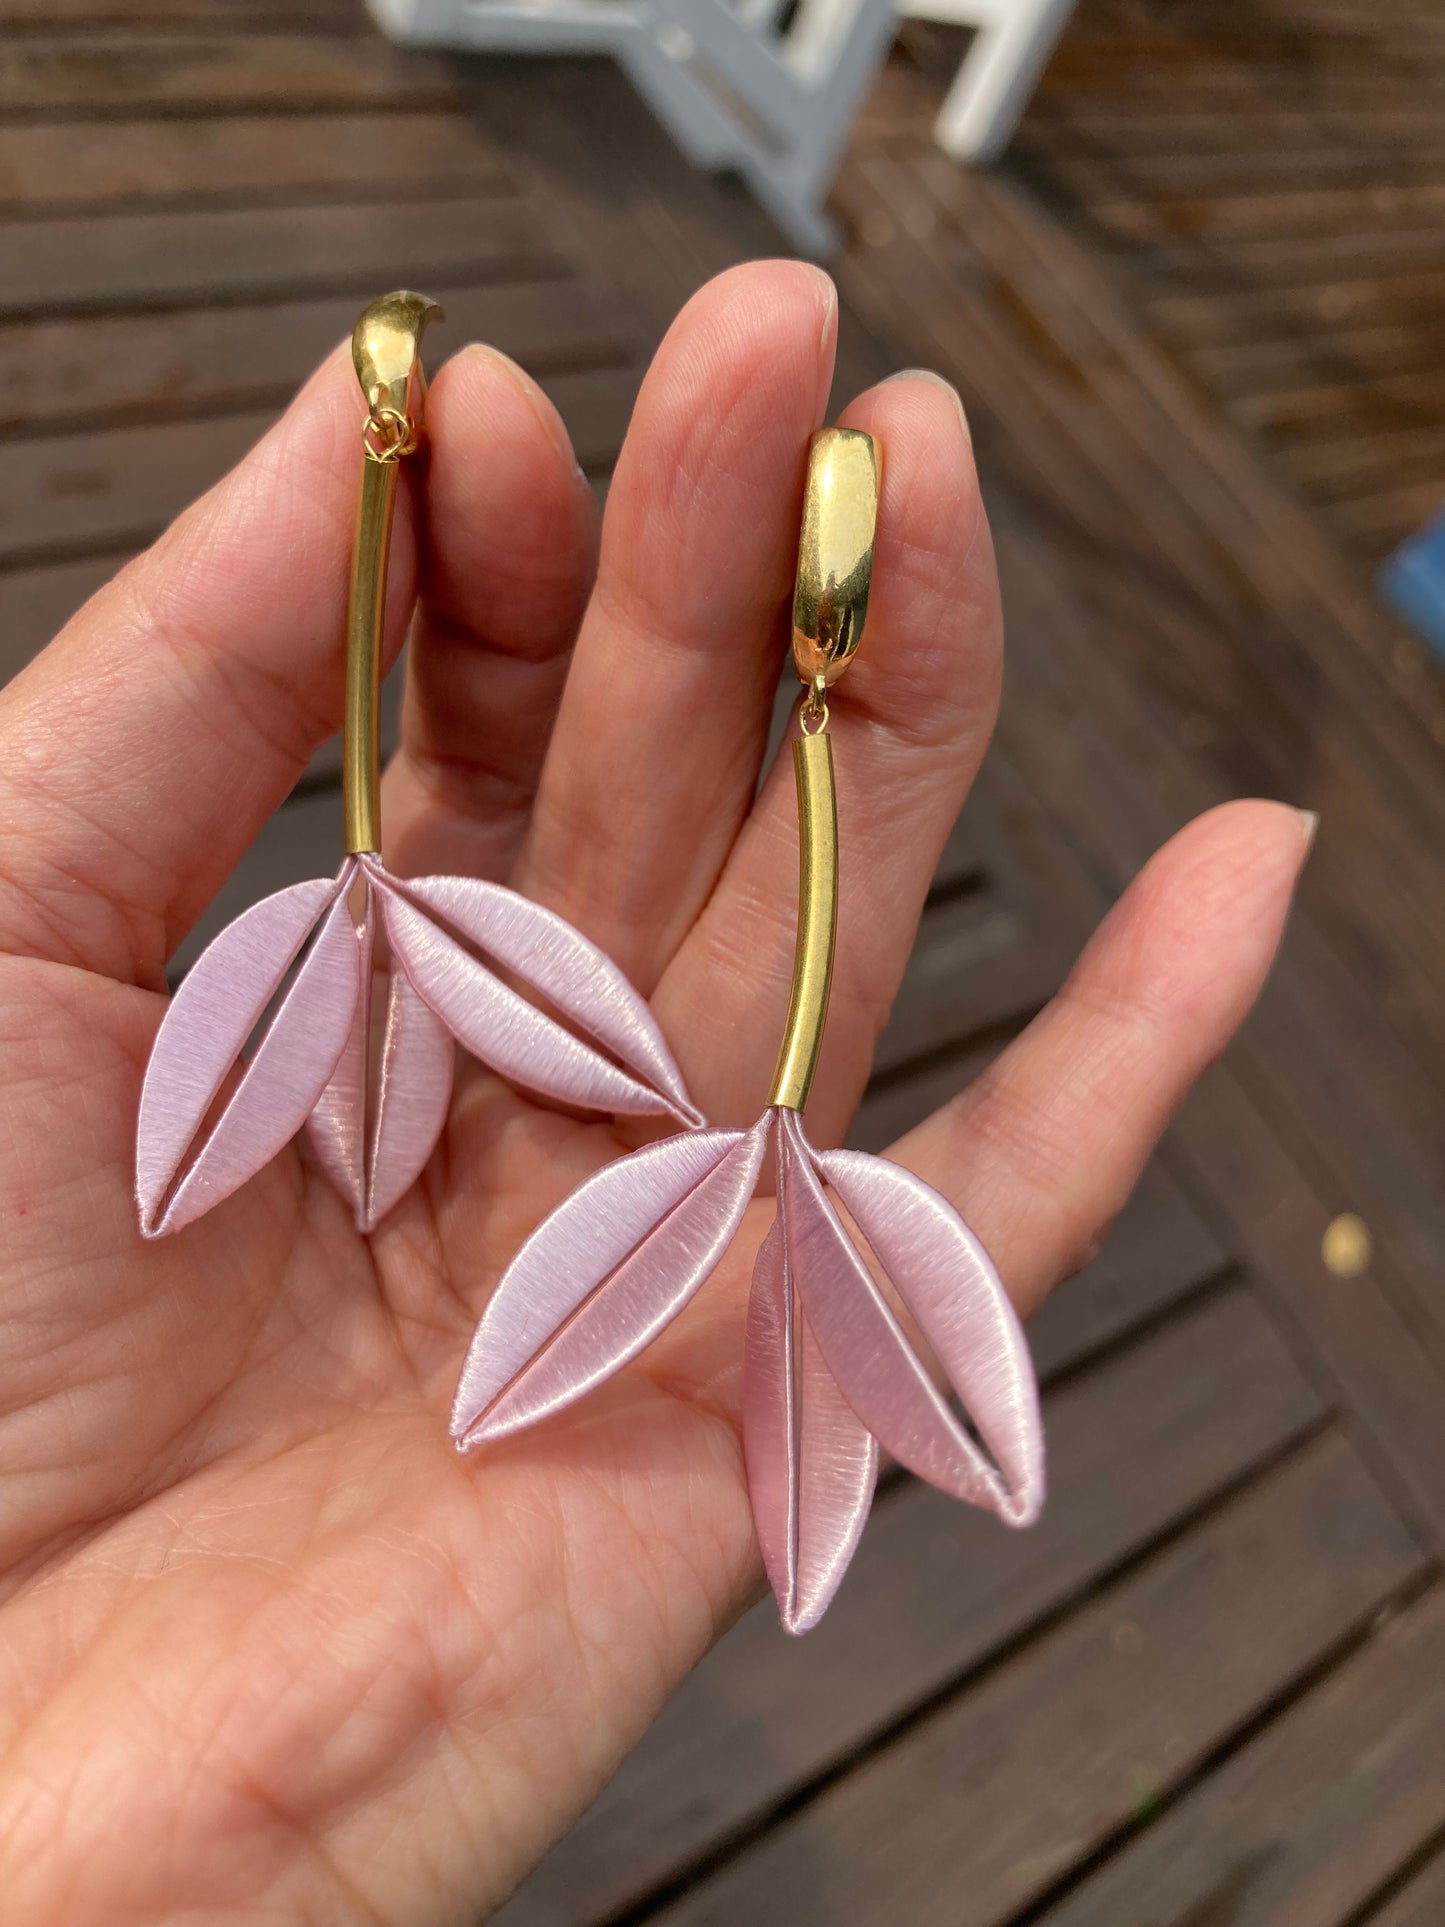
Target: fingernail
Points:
(825, 284)
(549, 420)
(1309, 823)
(932, 375)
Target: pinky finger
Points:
(1041, 1152)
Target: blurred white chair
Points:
(754, 87)
(767, 87)
(1008, 52)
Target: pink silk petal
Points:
(503, 1029)
(559, 962)
(337, 1126)
(290, 1069)
(867, 1350)
(945, 1278)
(374, 1145)
(413, 1095)
(603, 1275)
(811, 1464)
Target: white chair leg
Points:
(997, 76)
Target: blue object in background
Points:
(1413, 582)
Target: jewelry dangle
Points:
(830, 1374)
(374, 1126)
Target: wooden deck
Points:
(1209, 1689)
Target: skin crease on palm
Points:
(270, 1650)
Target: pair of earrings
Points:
(830, 1372)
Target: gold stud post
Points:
(830, 605)
(385, 349)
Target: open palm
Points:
(270, 1648)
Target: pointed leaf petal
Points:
(337, 1126)
(413, 1095)
(283, 1080)
(867, 1349)
(946, 1279)
(374, 1146)
(603, 1275)
(503, 1029)
(573, 974)
(811, 1463)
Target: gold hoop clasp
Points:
(835, 557)
(386, 353)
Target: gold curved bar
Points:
(817, 921)
(386, 353)
(835, 553)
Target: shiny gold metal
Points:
(817, 920)
(835, 554)
(1347, 1247)
(385, 350)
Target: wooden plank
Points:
(1249, 366)
(48, 169)
(1110, 782)
(1420, 1903)
(1311, 1819)
(148, 260)
(1156, 1252)
(35, 604)
(1319, 407)
(132, 13)
(1147, 502)
(1013, 1783)
(1264, 213)
(1193, 321)
(935, 1589)
(98, 369)
(976, 964)
(117, 488)
(114, 489)
(301, 840)
(98, 74)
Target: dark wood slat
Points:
(1148, 489)
(1193, 321)
(1262, 215)
(35, 604)
(1156, 1252)
(976, 964)
(1385, 519)
(115, 488)
(132, 74)
(1110, 780)
(147, 260)
(935, 1589)
(1005, 1788)
(97, 368)
(120, 486)
(1248, 366)
(133, 13)
(1326, 408)
(303, 839)
(45, 168)
(1313, 1817)
(1421, 1903)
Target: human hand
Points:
(271, 1648)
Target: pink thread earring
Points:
(375, 1127)
(829, 1372)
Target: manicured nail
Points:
(931, 375)
(547, 417)
(1309, 823)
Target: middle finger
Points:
(664, 720)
